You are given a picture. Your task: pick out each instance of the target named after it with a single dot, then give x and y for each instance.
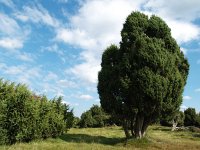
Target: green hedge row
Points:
(25, 116)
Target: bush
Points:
(198, 120)
(95, 117)
(190, 117)
(194, 129)
(178, 118)
(25, 116)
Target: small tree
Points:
(190, 117)
(144, 76)
(198, 120)
(86, 120)
(94, 117)
(76, 122)
(177, 119)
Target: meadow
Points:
(113, 138)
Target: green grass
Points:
(113, 138)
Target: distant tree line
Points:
(97, 117)
(187, 118)
(192, 118)
(25, 116)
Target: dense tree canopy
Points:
(25, 116)
(145, 76)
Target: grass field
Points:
(113, 138)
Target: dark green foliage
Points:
(95, 117)
(178, 118)
(25, 116)
(194, 129)
(145, 77)
(198, 120)
(191, 118)
(76, 122)
(69, 118)
(86, 120)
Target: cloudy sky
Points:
(55, 46)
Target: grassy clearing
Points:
(113, 138)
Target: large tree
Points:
(145, 76)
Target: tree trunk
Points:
(174, 124)
(132, 128)
(144, 128)
(125, 127)
(139, 126)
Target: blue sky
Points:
(55, 46)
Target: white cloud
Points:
(86, 72)
(55, 86)
(10, 43)
(8, 26)
(14, 70)
(51, 76)
(12, 35)
(60, 93)
(75, 37)
(85, 97)
(66, 102)
(29, 75)
(51, 89)
(97, 100)
(183, 107)
(2, 65)
(75, 104)
(69, 103)
(37, 14)
(183, 31)
(62, 1)
(22, 73)
(197, 90)
(57, 50)
(93, 29)
(25, 57)
(184, 50)
(66, 83)
(54, 49)
(187, 98)
(8, 3)
(178, 17)
(187, 10)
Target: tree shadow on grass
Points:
(196, 135)
(84, 138)
(162, 128)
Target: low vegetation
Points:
(25, 116)
(110, 138)
(94, 117)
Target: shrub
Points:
(25, 116)
(95, 117)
